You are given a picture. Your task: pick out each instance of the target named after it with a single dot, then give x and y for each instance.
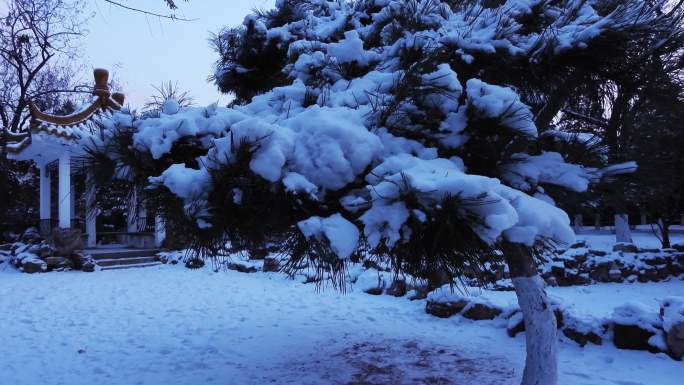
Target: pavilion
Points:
(54, 143)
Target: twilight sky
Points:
(143, 51)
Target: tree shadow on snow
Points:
(399, 362)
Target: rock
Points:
(45, 250)
(614, 274)
(445, 309)
(578, 245)
(271, 265)
(573, 280)
(601, 272)
(6, 246)
(582, 338)
(654, 260)
(419, 292)
(581, 258)
(672, 314)
(398, 288)
(34, 265)
(194, 263)
(240, 267)
(374, 291)
(34, 249)
(560, 318)
(516, 324)
(481, 311)
(89, 266)
(633, 337)
(59, 263)
(558, 271)
(598, 253)
(637, 327)
(626, 247)
(31, 235)
(66, 241)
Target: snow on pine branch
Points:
(370, 122)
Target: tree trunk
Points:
(622, 231)
(597, 222)
(664, 227)
(541, 365)
(556, 100)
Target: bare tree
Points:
(38, 46)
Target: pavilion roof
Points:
(72, 127)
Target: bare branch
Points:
(171, 5)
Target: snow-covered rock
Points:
(637, 327)
(672, 313)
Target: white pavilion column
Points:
(131, 217)
(91, 210)
(159, 230)
(64, 194)
(45, 214)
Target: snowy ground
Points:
(171, 325)
(642, 237)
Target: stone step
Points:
(120, 254)
(125, 261)
(133, 266)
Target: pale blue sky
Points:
(144, 50)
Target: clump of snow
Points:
(351, 49)
(502, 103)
(342, 235)
(170, 107)
(527, 171)
(637, 314)
(187, 183)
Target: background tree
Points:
(38, 46)
(38, 49)
(609, 93)
(656, 140)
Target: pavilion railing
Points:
(145, 224)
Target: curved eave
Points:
(102, 103)
(16, 144)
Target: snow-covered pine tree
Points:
(388, 128)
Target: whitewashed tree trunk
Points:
(622, 231)
(541, 364)
(540, 332)
(578, 223)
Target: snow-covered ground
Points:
(642, 237)
(171, 325)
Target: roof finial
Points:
(101, 79)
